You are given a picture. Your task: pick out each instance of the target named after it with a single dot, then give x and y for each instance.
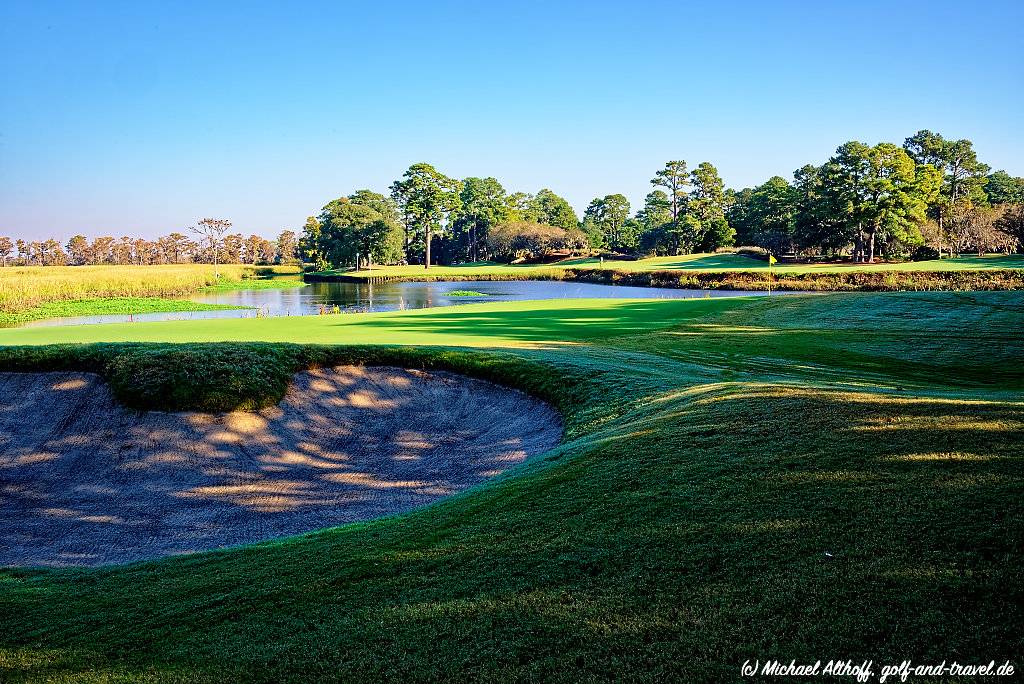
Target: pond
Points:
(353, 297)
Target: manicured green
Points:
(100, 307)
(798, 478)
(713, 263)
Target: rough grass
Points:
(26, 288)
(802, 478)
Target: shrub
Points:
(512, 240)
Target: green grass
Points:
(465, 293)
(101, 307)
(490, 324)
(711, 263)
(271, 282)
(795, 478)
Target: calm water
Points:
(351, 297)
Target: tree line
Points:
(929, 197)
(175, 248)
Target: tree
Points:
(674, 178)
(231, 248)
(484, 204)
(286, 247)
(350, 233)
(1002, 188)
(845, 181)
(514, 240)
(103, 250)
(51, 253)
(878, 194)
(738, 214)
(520, 207)
(78, 250)
(817, 218)
(383, 205)
(1011, 224)
(6, 248)
(552, 210)
(254, 251)
(341, 222)
(212, 230)
(963, 175)
(310, 244)
(143, 251)
(428, 199)
(898, 193)
(606, 217)
(766, 215)
(177, 247)
(122, 250)
(380, 241)
(706, 203)
(976, 228)
(656, 211)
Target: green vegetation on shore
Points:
(102, 307)
(737, 475)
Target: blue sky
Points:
(139, 118)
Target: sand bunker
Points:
(84, 481)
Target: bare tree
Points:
(213, 231)
(6, 248)
(1011, 224)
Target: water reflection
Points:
(352, 297)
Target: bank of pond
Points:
(327, 298)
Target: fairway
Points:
(734, 476)
(526, 323)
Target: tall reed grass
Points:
(26, 287)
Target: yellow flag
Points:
(772, 260)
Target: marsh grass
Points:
(25, 288)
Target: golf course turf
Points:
(799, 477)
(707, 263)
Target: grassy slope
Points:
(713, 263)
(801, 478)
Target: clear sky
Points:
(140, 117)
